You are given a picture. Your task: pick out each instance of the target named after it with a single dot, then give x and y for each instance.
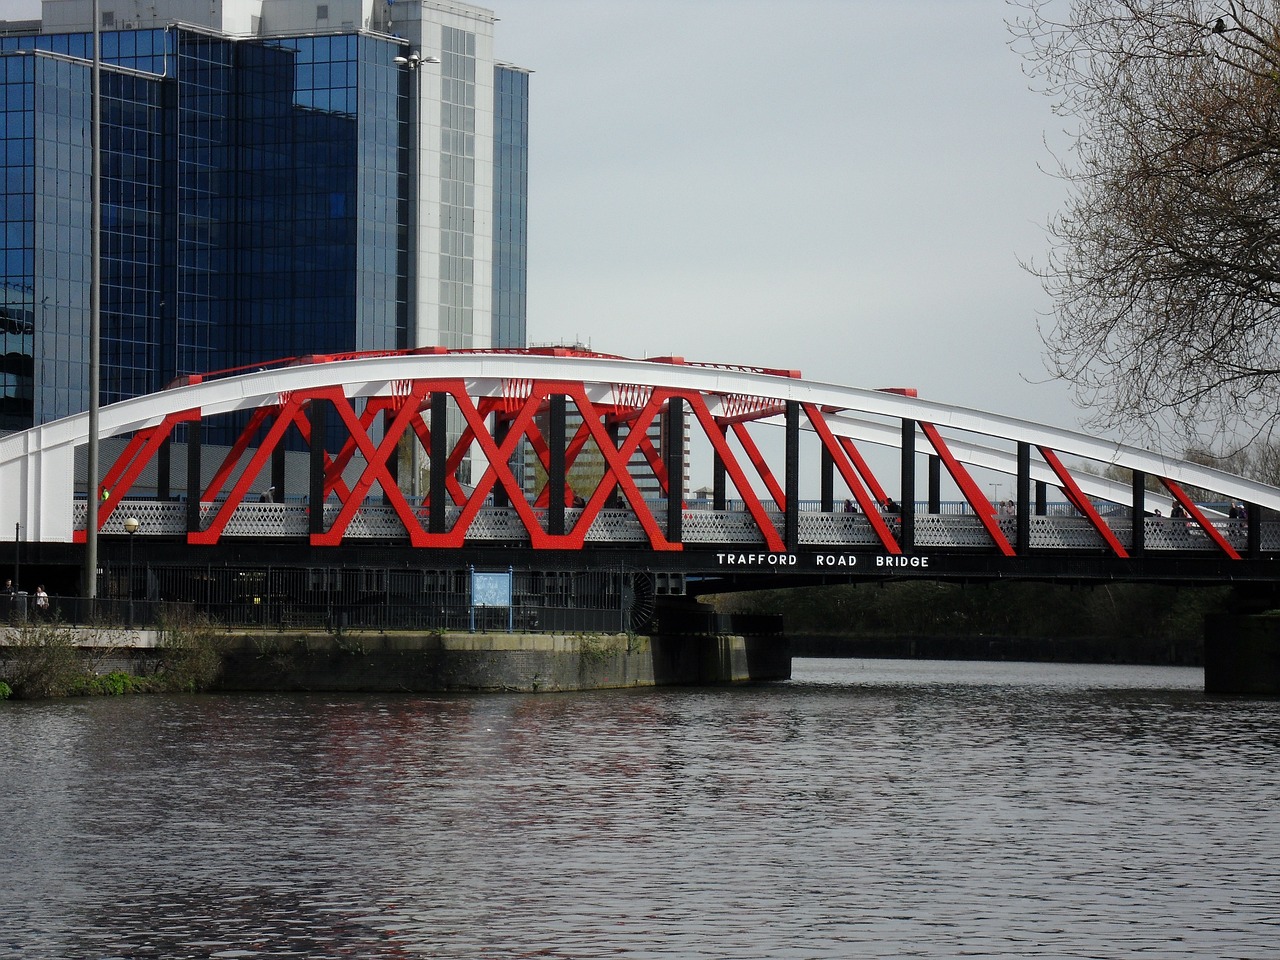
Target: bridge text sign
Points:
(823, 560)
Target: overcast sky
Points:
(842, 187)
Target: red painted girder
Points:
(543, 451)
(981, 505)
(257, 461)
(1198, 515)
(1082, 503)
(376, 469)
(126, 469)
(333, 483)
(762, 467)
(617, 473)
(773, 540)
(839, 449)
(238, 447)
(863, 468)
(653, 458)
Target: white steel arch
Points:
(37, 476)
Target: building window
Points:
(322, 12)
(108, 18)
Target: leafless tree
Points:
(1164, 265)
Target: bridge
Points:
(561, 460)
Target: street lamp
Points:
(414, 60)
(411, 62)
(95, 310)
(131, 526)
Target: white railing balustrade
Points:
(700, 526)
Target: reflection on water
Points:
(864, 808)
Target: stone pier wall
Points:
(1242, 654)
(464, 662)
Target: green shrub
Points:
(113, 684)
(191, 651)
(44, 661)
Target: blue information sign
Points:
(490, 589)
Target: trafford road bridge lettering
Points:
(825, 560)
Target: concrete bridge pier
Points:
(688, 645)
(1242, 648)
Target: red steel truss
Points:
(609, 422)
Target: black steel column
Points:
(1138, 542)
(1042, 498)
(439, 461)
(501, 427)
(828, 481)
(791, 516)
(614, 429)
(393, 461)
(935, 483)
(1023, 495)
(908, 499)
(673, 456)
(718, 484)
(163, 469)
(555, 467)
(315, 485)
(195, 488)
(277, 470)
(1254, 522)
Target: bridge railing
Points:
(700, 526)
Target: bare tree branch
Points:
(1164, 264)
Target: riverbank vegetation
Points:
(46, 659)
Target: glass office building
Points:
(283, 190)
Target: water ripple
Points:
(865, 808)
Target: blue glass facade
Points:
(256, 205)
(46, 244)
(510, 205)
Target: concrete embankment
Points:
(442, 662)
(1143, 650)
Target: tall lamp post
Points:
(131, 526)
(95, 310)
(412, 62)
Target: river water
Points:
(866, 808)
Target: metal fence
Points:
(361, 598)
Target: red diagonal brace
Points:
(837, 447)
(981, 505)
(241, 444)
(132, 461)
(617, 472)
(376, 469)
(758, 461)
(211, 533)
(773, 540)
(1197, 514)
(1082, 503)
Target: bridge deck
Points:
(616, 527)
